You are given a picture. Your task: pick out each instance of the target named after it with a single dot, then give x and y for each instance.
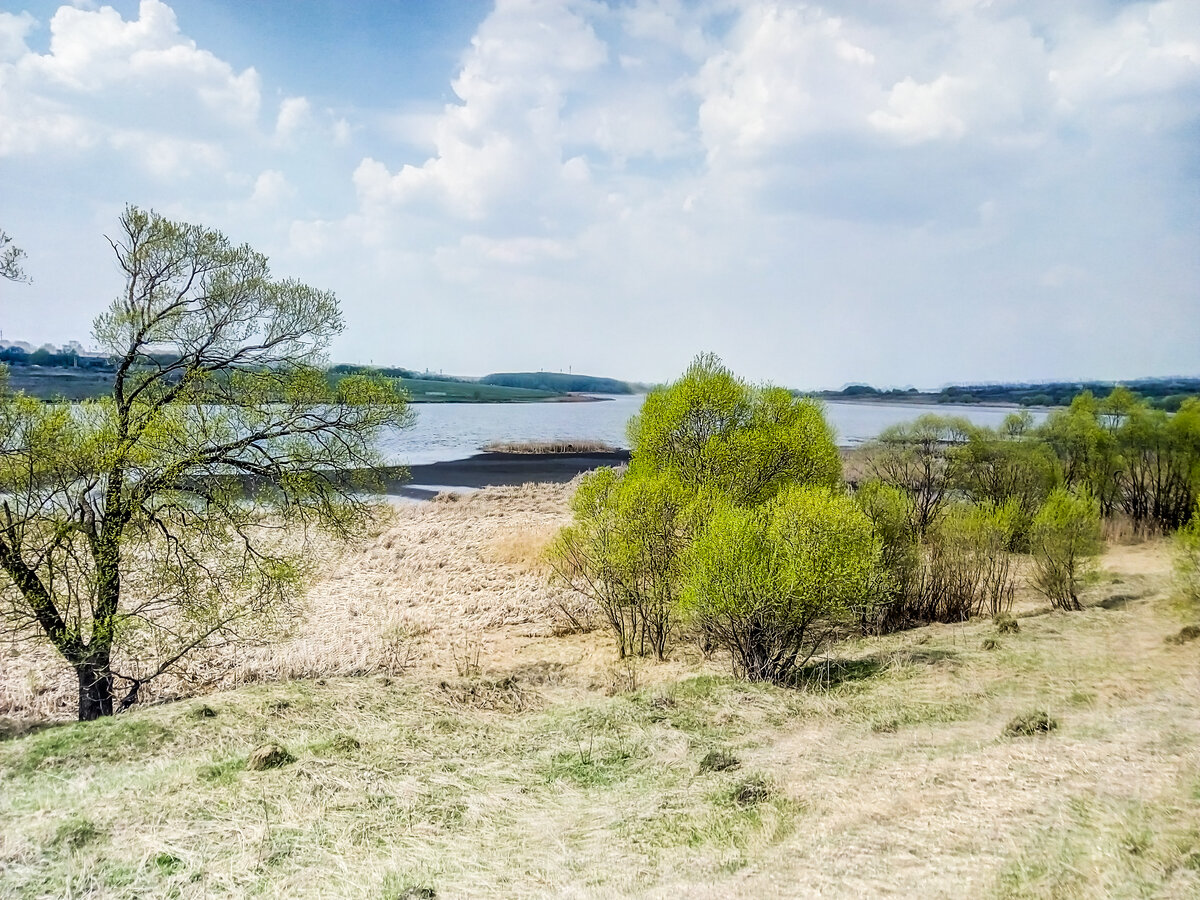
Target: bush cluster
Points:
(731, 519)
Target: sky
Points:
(898, 192)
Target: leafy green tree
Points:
(1010, 464)
(175, 514)
(1159, 476)
(1082, 437)
(704, 442)
(1064, 540)
(772, 584)
(10, 259)
(917, 457)
(713, 432)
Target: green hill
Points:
(558, 382)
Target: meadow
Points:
(441, 734)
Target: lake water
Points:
(446, 431)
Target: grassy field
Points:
(481, 752)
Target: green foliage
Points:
(916, 457)
(1187, 559)
(1064, 539)
(704, 446)
(714, 433)
(1132, 458)
(1009, 464)
(557, 382)
(772, 584)
(623, 552)
(967, 568)
(144, 525)
(890, 511)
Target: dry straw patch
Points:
(432, 575)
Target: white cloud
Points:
(13, 29)
(105, 80)
(294, 114)
(759, 178)
(270, 188)
(504, 140)
(922, 112)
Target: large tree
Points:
(175, 513)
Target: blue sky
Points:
(894, 192)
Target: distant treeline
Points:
(15, 356)
(1160, 393)
(559, 382)
(394, 372)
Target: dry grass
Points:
(432, 575)
(528, 765)
(547, 447)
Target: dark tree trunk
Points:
(95, 690)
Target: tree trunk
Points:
(95, 689)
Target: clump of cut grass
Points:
(718, 760)
(1030, 723)
(268, 756)
(549, 447)
(752, 791)
(398, 889)
(1006, 624)
(76, 833)
(1186, 633)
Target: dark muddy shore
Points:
(491, 469)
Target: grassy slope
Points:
(893, 776)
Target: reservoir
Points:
(450, 431)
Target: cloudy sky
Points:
(893, 191)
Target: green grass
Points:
(888, 766)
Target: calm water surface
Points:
(446, 431)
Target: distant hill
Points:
(557, 381)
(1164, 393)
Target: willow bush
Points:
(703, 448)
(772, 584)
(1064, 540)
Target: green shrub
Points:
(963, 569)
(1010, 465)
(890, 512)
(1064, 540)
(714, 433)
(770, 585)
(1187, 559)
(623, 552)
(916, 457)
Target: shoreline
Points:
(496, 469)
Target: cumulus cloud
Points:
(757, 177)
(294, 114)
(270, 188)
(503, 140)
(127, 84)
